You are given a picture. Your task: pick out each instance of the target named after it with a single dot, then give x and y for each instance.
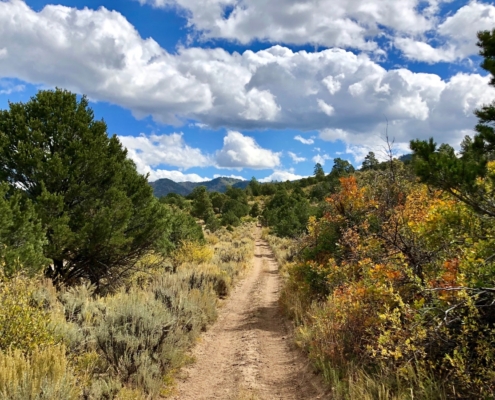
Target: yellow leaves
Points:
(312, 225)
(193, 253)
(350, 199)
(24, 324)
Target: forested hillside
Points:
(162, 187)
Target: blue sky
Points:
(249, 88)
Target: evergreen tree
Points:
(459, 174)
(230, 219)
(341, 168)
(287, 213)
(255, 210)
(318, 172)
(212, 223)
(176, 200)
(370, 162)
(237, 202)
(21, 235)
(217, 201)
(255, 187)
(99, 215)
(201, 205)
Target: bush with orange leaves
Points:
(396, 278)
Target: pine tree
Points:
(201, 205)
(370, 162)
(21, 234)
(459, 174)
(318, 172)
(99, 215)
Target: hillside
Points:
(162, 187)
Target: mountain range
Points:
(162, 187)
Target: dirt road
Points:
(248, 352)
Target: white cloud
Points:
(457, 35)
(154, 150)
(101, 54)
(295, 158)
(342, 23)
(299, 138)
(321, 158)
(332, 135)
(282, 176)
(241, 151)
(325, 108)
(176, 176)
(8, 87)
(333, 83)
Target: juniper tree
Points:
(99, 215)
(21, 234)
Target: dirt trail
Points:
(248, 353)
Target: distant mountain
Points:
(162, 187)
(406, 158)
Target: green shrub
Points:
(230, 219)
(134, 335)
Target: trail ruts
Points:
(248, 353)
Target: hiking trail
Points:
(248, 354)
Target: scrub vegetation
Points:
(103, 288)
(388, 271)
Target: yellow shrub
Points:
(130, 394)
(24, 324)
(44, 373)
(191, 252)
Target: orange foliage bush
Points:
(382, 276)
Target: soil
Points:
(249, 353)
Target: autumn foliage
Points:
(389, 283)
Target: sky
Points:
(242, 88)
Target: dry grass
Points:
(42, 374)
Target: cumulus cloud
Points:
(177, 176)
(241, 151)
(154, 150)
(295, 158)
(299, 138)
(412, 25)
(457, 35)
(282, 176)
(321, 158)
(101, 54)
(329, 23)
